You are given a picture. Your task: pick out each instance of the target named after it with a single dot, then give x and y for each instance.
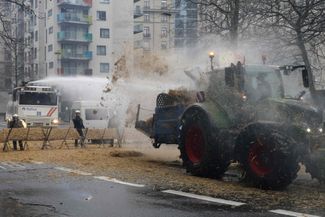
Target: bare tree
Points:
(227, 18)
(12, 33)
(296, 22)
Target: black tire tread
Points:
(211, 166)
(285, 169)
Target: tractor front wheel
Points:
(268, 158)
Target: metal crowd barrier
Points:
(47, 135)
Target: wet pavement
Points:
(30, 189)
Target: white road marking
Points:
(4, 168)
(16, 164)
(206, 198)
(105, 178)
(36, 162)
(290, 213)
(73, 171)
(8, 165)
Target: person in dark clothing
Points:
(79, 126)
(16, 123)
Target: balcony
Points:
(72, 55)
(68, 71)
(74, 37)
(137, 13)
(168, 11)
(74, 18)
(137, 29)
(73, 3)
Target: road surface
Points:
(35, 189)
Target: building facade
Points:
(158, 25)
(7, 67)
(72, 37)
(87, 37)
(186, 23)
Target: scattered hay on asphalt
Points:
(118, 153)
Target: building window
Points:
(164, 18)
(36, 69)
(51, 65)
(104, 67)
(146, 31)
(50, 48)
(163, 32)
(51, 30)
(49, 13)
(36, 35)
(163, 4)
(101, 50)
(101, 15)
(35, 53)
(104, 33)
(163, 45)
(147, 4)
(146, 17)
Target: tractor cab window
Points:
(262, 82)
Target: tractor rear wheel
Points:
(198, 146)
(269, 158)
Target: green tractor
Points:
(241, 115)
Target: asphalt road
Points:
(29, 189)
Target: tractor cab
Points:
(255, 82)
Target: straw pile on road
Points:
(161, 169)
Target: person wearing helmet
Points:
(16, 123)
(79, 126)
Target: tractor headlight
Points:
(308, 130)
(55, 121)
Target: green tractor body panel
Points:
(217, 114)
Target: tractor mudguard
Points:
(295, 132)
(215, 114)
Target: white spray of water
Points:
(125, 95)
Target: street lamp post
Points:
(211, 55)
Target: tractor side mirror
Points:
(229, 77)
(305, 78)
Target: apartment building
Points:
(138, 25)
(6, 59)
(186, 24)
(75, 37)
(158, 25)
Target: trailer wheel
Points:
(269, 158)
(198, 146)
